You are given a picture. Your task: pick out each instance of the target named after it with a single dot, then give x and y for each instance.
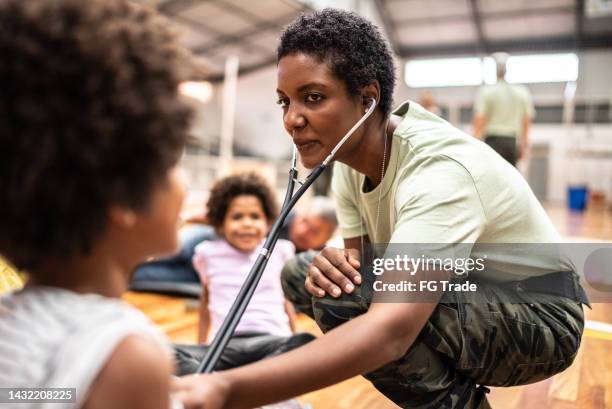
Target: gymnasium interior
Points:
(559, 50)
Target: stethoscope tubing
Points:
(249, 286)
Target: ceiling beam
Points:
(424, 21)
(172, 7)
(496, 15)
(219, 37)
(566, 43)
(579, 22)
(245, 70)
(477, 20)
(388, 24)
(240, 37)
(233, 9)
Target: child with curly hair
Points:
(241, 208)
(91, 130)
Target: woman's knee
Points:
(330, 312)
(569, 326)
(523, 343)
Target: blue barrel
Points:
(577, 197)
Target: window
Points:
(524, 69)
(447, 72)
(201, 91)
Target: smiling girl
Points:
(240, 208)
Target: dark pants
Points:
(505, 146)
(475, 339)
(241, 350)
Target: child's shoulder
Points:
(69, 338)
(135, 375)
(58, 313)
(58, 301)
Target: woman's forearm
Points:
(361, 345)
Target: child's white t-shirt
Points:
(55, 338)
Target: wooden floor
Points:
(587, 384)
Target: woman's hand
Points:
(332, 271)
(201, 391)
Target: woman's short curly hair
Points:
(89, 116)
(353, 47)
(226, 189)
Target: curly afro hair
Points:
(226, 189)
(353, 47)
(89, 116)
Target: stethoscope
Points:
(250, 284)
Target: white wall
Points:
(595, 75)
(206, 123)
(578, 155)
(259, 125)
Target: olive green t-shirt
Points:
(444, 186)
(504, 106)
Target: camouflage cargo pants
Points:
(465, 343)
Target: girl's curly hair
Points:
(226, 189)
(89, 116)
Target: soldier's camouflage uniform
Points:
(471, 339)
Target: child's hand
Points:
(329, 271)
(201, 391)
